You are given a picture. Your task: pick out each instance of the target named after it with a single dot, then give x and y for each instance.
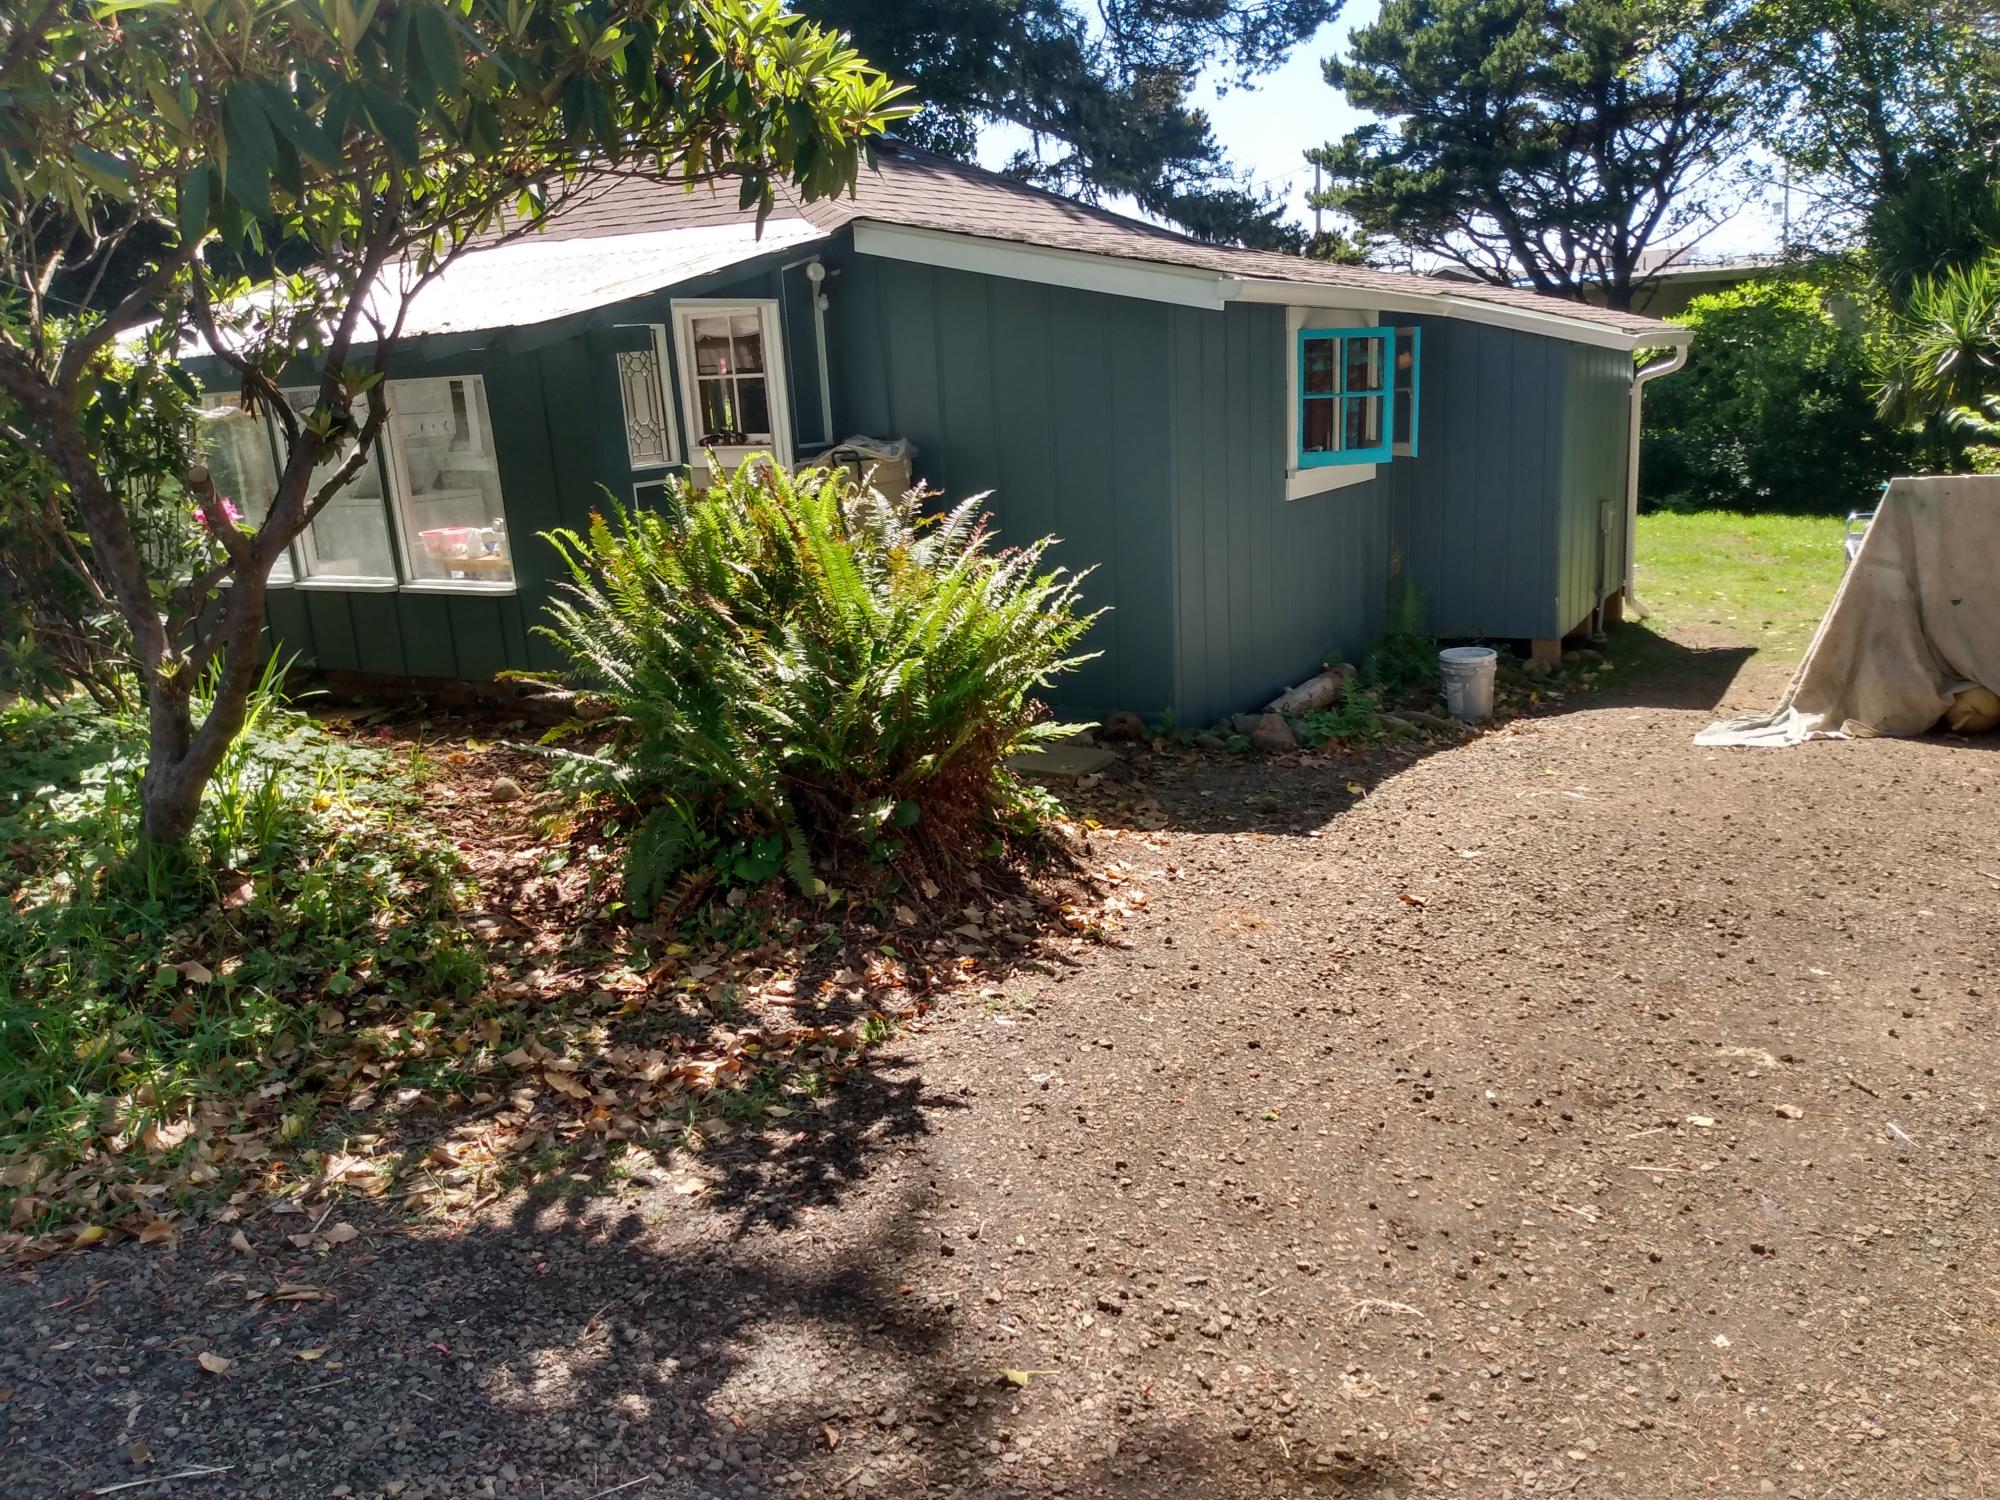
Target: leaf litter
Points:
(589, 1036)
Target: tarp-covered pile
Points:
(1916, 624)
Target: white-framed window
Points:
(446, 482)
(649, 415)
(732, 377)
(348, 542)
(425, 511)
(236, 448)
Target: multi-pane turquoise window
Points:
(1343, 395)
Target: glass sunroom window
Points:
(447, 481)
(236, 447)
(1344, 393)
(349, 540)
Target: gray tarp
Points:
(1916, 619)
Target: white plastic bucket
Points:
(1468, 680)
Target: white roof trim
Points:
(1193, 286)
(1466, 309)
(1185, 286)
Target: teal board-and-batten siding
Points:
(1597, 435)
(1523, 441)
(1055, 400)
(1151, 438)
(1264, 587)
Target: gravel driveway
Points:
(1573, 1113)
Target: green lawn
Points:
(1764, 579)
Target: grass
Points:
(1765, 580)
(172, 1019)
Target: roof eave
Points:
(1210, 289)
(1468, 309)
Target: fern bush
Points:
(799, 672)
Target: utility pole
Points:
(1316, 210)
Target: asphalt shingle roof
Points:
(913, 189)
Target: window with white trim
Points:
(732, 372)
(649, 415)
(426, 509)
(236, 448)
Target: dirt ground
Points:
(1571, 1113)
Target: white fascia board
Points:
(1184, 286)
(1466, 309)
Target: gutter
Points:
(1679, 357)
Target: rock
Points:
(1272, 733)
(1243, 723)
(1581, 655)
(1310, 696)
(504, 789)
(1535, 668)
(1210, 742)
(1121, 728)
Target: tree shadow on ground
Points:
(746, 1342)
(1658, 671)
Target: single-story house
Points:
(1244, 445)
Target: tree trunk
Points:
(181, 757)
(169, 793)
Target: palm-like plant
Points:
(1946, 352)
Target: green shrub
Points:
(1404, 661)
(1357, 716)
(798, 671)
(1941, 360)
(1774, 412)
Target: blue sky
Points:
(1265, 128)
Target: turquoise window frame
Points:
(1384, 395)
(1409, 448)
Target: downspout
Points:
(1667, 366)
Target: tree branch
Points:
(136, 307)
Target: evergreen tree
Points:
(1546, 141)
(1103, 90)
